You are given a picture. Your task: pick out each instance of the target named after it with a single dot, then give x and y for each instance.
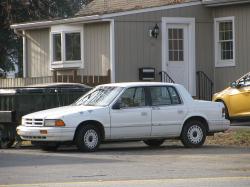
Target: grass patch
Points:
(236, 137)
(242, 136)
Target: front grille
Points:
(33, 122)
(34, 137)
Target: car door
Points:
(240, 98)
(132, 119)
(168, 111)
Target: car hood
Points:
(223, 92)
(60, 112)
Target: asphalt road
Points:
(126, 165)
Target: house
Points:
(116, 38)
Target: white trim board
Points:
(219, 62)
(63, 30)
(112, 49)
(191, 46)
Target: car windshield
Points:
(244, 81)
(100, 96)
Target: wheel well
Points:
(94, 123)
(199, 118)
(220, 100)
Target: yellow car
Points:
(236, 98)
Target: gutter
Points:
(215, 3)
(45, 24)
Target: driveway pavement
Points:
(126, 165)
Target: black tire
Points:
(154, 142)
(193, 134)
(5, 138)
(88, 138)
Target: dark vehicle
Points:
(16, 102)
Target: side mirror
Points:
(117, 106)
(233, 84)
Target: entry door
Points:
(177, 53)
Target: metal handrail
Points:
(165, 77)
(204, 86)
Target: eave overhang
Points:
(96, 18)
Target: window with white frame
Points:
(66, 46)
(224, 42)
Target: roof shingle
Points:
(111, 6)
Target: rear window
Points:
(164, 95)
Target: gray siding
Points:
(135, 49)
(38, 53)
(225, 75)
(96, 49)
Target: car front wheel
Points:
(193, 134)
(88, 138)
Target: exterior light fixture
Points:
(155, 31)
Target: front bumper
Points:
(45, 133)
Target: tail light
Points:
(223, 111)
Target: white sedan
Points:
(152, 112)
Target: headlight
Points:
(54, 123)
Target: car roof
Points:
(54, 85)
(132, 84)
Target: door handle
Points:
(180, 111)
(156, 108)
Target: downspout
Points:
(23, 35)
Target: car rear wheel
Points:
(193, 134)
(154, 143)
(88, 138)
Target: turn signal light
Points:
(43, 132)
(59, 123)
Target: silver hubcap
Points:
(91, 139)
(195, 134)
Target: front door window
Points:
(133, 97)
(175, 43)
(133, 118)
(177, 50)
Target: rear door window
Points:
(164, 95)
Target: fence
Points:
(20, 82)
(91, 80)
